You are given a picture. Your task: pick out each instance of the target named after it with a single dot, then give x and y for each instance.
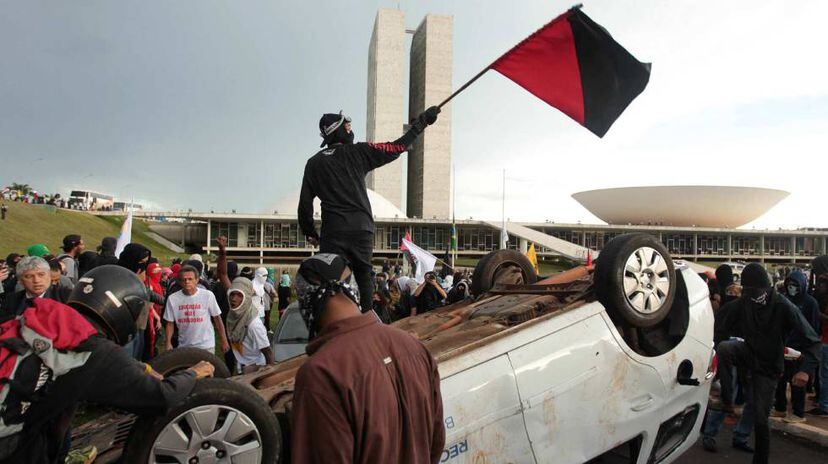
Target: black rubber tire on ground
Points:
(502, 267)
(170, 362)
(610, 270)
(221, 392)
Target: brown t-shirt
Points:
(369, 394)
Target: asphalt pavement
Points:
(785, 449)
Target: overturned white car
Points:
(611, 362)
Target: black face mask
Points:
(757, 297)
(341, 136)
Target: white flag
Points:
(126, 234)
(423, 260)
(504, 237)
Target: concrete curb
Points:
(803, 430)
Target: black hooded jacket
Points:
(765, 329)
(132, 255)
(337, 176)
(807, 305)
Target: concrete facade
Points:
(386, 98)
(429, 161)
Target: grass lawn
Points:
(27, 224)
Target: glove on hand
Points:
(426, 118)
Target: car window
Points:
(293, 329)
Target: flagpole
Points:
(453, 240)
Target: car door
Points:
(291, 335)
(581, 394)
(481, 410)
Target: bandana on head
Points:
(319, 278)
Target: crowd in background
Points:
(191, 308)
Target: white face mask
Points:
(793, 290)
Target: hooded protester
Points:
(336, 175)
(355, 370)
(86, 262)
(245, 331)
(263, 294)
(763, 321)
(728, 291)
(796, 287)
(134, 257)
(820, 292)
(106, 252)
(175, 268)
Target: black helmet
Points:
(112, 296)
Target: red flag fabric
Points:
(407, 238)
(589, 258)
(574, 64)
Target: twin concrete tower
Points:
(429, 161)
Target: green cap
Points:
(38, 250)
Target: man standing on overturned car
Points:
(337, 176)
(369, 393)
(759, 323)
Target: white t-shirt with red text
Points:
(192, 315)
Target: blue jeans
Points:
(741, 432)
(823, 379)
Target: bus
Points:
(90, 201)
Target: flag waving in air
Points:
(125, 237)
(576, 66)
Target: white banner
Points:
(423, 260)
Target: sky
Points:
(214, 105)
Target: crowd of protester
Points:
(771, 336)
(189, 305)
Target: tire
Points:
(170, 362)
(502, 267)
(643, 264)
(254, 431)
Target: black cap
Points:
(755, 276)
(71, 241)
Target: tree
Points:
(24, 189)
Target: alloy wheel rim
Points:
(209, 434)
(646, 280)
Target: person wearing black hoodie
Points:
(106, 252)
(762, 320)
(796, 286)
(336, 175)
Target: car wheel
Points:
(502, 267)
(170, 362)
(221, 421)
(635, 280)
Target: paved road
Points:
(784, 449)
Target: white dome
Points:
(684, 205)
(380, 206)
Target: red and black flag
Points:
(575, 65)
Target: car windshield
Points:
(293, 330)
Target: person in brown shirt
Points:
(369, 393)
